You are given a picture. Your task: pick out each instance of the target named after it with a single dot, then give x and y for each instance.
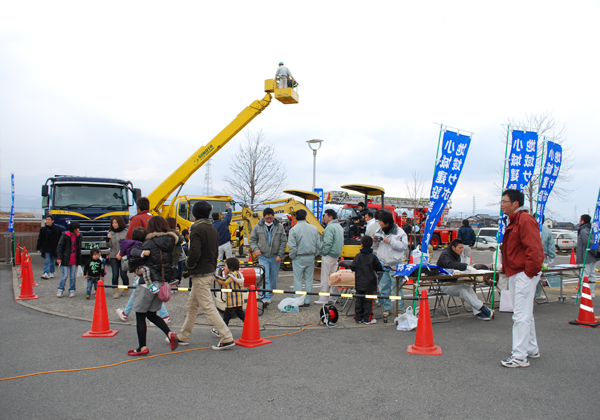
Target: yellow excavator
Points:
(180, 207)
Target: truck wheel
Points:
(435, 241)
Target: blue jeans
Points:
(271, 273)
(161, 313)
(91, 281)
(387, 287)
(68, 271)
(115, 265)
(49, 263)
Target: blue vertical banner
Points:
(550, 172)
(521, 165)
(447, 171)
(318, 205)
(596, 224)
(11, 222)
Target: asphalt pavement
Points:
(332, 373)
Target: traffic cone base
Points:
(586, 308)
(251, 332)
(100, 323)
(424, 343)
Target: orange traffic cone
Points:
(586, 308)
(18, 255)
(572, 260)
(424, 343)
(410, 260)
(251, 332)
(26, 289)
(100, 323)
(30, 272)
(23, 257)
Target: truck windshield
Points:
(83, 196)
(217, 206)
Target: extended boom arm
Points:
(178, 178)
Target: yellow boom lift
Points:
(180, 207)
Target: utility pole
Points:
(473, 205)
(208, 180)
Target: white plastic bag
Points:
(79, 271)
(291, 304)
(407, 321)
(506, 303)
(416, 254)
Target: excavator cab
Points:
(287, 95)
(354, 228)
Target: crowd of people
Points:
(152, 248)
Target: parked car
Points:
(486, 243)
(486, 233)
(564, 239)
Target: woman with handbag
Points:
(158, 256)
(118, 231)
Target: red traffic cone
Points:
(26, 289)
(586, 308)
(100, 323)
(18, 255)
(572, 260)
(251, 332)
(424, 343)
(27, 271)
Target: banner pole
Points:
(498, 233)
(437, 154)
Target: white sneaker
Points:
(386, 313)
(60, 293)
(513, 362)
(167, 319)
(72, 294)
(122, 315)
(51, 275)
(45, 276)
(371, 322)
(593, 295)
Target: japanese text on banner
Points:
(550, 172)
(521, 165)
(318, 205)
(596, 224)
(447, 171)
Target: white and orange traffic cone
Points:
(586, 308)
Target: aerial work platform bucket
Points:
(287, 95)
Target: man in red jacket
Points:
(142, 216)
(522, 258)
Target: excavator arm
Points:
(180, 176)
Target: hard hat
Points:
(281, 63)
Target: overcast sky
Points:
(130, 89)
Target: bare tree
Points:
(550, 129)
(255, 173)
(415, 189)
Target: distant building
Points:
(563, 225)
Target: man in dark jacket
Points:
(583, 238)
(222, 226)
(467, 235)
(450, 258)
(522, 259)
(365, 265)
(47, 242)
(201, 264)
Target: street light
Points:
(314, 145)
